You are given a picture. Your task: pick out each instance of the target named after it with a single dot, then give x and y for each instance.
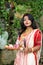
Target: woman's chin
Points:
(28, 25)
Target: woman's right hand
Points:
(6, 47)
(9, 47)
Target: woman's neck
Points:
(29, 29)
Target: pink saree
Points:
(33, 39)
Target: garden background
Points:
(11, 12)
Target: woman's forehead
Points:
(26, 17)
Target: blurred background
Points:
(11, 12)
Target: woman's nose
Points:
(26, 20)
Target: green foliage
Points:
(21, 6)
(16, 23)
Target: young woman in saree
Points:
(29, 42)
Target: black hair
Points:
(23, 27)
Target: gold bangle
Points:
(21, 48)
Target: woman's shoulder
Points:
(38, 32)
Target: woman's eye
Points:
(24, 19)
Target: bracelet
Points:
(21, 49)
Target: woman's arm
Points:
(36, 48)
(37, 43)
(11, 47)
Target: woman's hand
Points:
(12, 47)
(27, 50)
(6, 46)
(9, 47)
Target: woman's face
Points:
(27, 22)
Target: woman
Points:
(28, 43)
